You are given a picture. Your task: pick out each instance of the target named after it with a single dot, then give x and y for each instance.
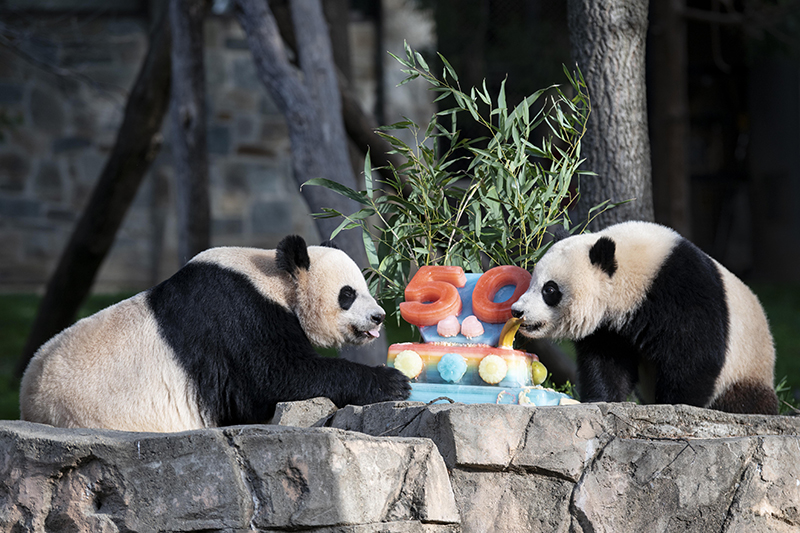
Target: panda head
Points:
(331, 298)
(570, 289)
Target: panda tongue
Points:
(375, 332)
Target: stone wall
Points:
(476, 468)
(63, 88)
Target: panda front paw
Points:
(393, 385)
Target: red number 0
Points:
(483, 304)
(436, 285)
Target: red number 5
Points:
(436, 285)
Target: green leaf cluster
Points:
(474, 203)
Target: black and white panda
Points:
(219, 343)
(645, 306)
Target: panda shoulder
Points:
(642, 248)
(258, 266)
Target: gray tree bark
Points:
(137, 143)
(608, 44)
(311, 103)
(188, 120)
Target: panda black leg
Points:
(686, 387)
(749, 397)
(344, 382)
(607, 367)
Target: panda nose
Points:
(516, 313)
(378, 318)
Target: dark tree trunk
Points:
(669, 114)
(608, 43)
(188, 120)
(311, 103)
(337, 13)
(135, 148)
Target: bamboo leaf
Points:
(421, 61)
(368, 174)
(359, 197)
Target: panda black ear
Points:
(329, 244)
(602, 255)
(292, 254)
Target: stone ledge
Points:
(605, 467)
(230, 479)
(590, 467)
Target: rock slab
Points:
(605, 467)
(233, 479)
(408, 467)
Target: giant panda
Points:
(645, 306)
(219, 343)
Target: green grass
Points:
(782, 304)
(17, 311)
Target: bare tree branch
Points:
(137, 144)
(188, 119)
(311, 103)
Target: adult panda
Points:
(645, 306)
(219, 343)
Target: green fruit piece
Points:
(538, 372)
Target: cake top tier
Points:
(434, 295)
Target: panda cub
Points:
(645, 306)
(219, 343)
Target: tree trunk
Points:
(311, 103)
(608, 43)
(188, 120)
(359, 125)
(669, 114)
(137, 144)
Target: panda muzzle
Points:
(532, 326)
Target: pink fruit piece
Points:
(471, 327)
(448, 327)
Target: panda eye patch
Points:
(347, 295)
(551, 294)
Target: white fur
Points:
(751, 353)
(591, 298)
(113, 369)
(317, 299)
(110, 370)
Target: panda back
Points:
(228, 334)
(109, 370)
(750, 355)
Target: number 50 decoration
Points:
(432, 294)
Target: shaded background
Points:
(66, 66)
(723, 102)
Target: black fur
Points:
(246, 353)
(346, 297)
(292, 254)
(602, 255)
(681, 328)
(551, 294)
(749, 397)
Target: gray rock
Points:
(605, 467)
(220, 480)
(303, 414)
(582, 468)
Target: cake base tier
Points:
(518, 363)
(534, 396)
